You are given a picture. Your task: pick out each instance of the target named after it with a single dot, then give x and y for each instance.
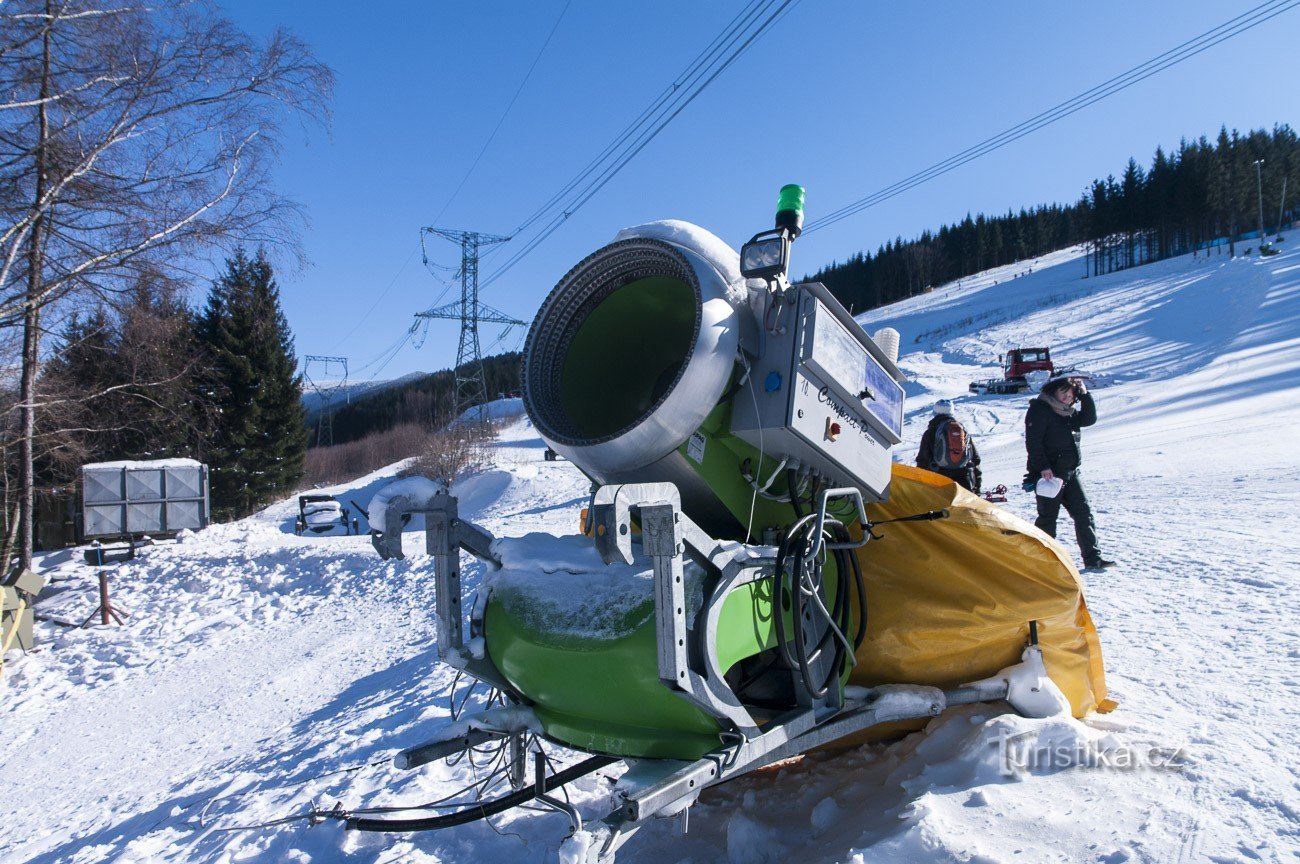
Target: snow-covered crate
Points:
(160, 496)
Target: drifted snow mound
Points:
(498, 409)
(978, 784)
(913, 801)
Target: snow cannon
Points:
(711, 618)
(662, 358)
(670, 369)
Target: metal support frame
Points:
(652, 787)
(796, 733)
(511, 721)
(853, 494)
(445, 535)
(517, 760)
(539, 789)
(687, 661)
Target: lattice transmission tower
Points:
(329, 379)
(471, 380)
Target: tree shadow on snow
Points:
(400, 694)
(548, 508)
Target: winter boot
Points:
(1098, 565)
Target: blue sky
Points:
(842, 97)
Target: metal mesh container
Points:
(161, 496)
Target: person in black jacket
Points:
(967, 474)
(1052, 438)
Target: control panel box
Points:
(821, 392)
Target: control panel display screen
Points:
(843, 357)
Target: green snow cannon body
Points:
(580, 643)
(655, 361)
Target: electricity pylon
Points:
(326, 386)
(471, 380)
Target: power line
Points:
(326, 385)
(736, 39)
(378, 300)
(1089, 97)
(684, 89)
(387, 356)
(446, 283)
(503, 336)
(701, 59)
(1233, 27)
(504, 113)
(392, 355)
(632, 148)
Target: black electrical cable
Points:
(737, 384)
(479, 811)
(805, 656)
(801, 652)
(860, 584)
(841, 608)
(1209, 39)
(783, 552)
(792, 480)
(792, 561)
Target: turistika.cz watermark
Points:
(1022, 753)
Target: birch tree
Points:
(131, 138)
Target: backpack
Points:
(951, 445)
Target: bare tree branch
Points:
(133, 139)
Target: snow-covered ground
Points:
(506, 408)
(260, 672)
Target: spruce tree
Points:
(123, 383)
(160, 354)
(256, 451)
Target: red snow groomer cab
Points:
(1019, 365)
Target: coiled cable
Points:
(798, 580)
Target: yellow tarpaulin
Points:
(950, 601)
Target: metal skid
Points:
(687, 661)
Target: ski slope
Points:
(261, 672)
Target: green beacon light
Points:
(789, 209)
(767, 254)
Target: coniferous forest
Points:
(1201, 195)
(147, 378)
(425, 401)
